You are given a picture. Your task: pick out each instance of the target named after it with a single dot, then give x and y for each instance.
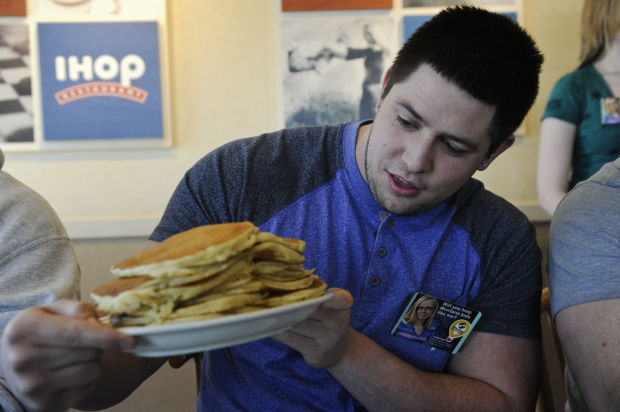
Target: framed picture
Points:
(99, 8)
(101, 91)
(12, 7)
(412, 22)
(16, 116)
(308, 5)
(99, 78)
(445, 3)
(333, 71)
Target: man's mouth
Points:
(401, 186)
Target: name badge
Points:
(610, 110)
(436, 322)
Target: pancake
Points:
(218, 303)
(280, 268)
(296, 244)
(288, 285)
(143, 295)
(236, 281)
(117, 286)
(206, 272)
(110, 297)
(285, 276)
(315, 290)
(199, 246)
(187, 292)
(276, 251)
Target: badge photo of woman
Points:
(417, 324)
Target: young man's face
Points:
(428, 137)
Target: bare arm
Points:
(59, 356)
(121, 374)
(554, 161)
(492, 372)
(591, 340)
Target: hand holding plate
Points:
(322, 338)
(51, 355)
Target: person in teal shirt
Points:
(580, 130)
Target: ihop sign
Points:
(100, 80)
(105, 68)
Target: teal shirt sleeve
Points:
(576, 98)
(566, 100)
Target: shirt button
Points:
(375, 281)
(390, 223)
(381, 252)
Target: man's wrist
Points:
(347, 353)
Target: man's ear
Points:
(385, 79)
(500, 149)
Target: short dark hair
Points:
(484, 53)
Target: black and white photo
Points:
(333, 68)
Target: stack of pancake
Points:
(205, 272)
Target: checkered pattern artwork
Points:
(16, 120)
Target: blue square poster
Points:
(414, 22)
(100, 81)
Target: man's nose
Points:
(418, 154)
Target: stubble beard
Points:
(375, 188)
(370, 180)
(373, 184)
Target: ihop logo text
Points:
(98, 75)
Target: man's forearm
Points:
(596, 372)
(382, 381)
(122, 374)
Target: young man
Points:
(388, 208)
(584, 258)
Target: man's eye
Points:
(405, 123)
(453, 149)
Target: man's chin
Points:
(402, 206)
(410, 209)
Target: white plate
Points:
(191, 337)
